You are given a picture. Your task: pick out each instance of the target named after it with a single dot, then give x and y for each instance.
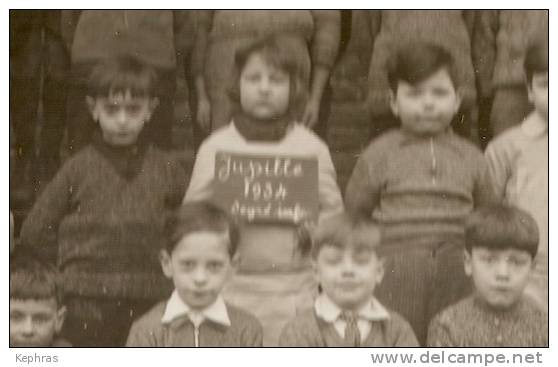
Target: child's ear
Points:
(153, 104)
(529, 91)
(467, 262)
(90, 101)
(380, 271)
(393, 104)
(315, 271)
(534, 262)
(166, 263)
(458, 99)
(60, 318)
(235, 262)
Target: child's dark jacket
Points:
(149, 331)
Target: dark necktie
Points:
(352, 334)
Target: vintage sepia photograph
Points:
(279, 178)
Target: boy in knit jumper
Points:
(500, 41)
(37, 308)
(101, 217)
(420, 182)
(518, 163)
(199, 257)
(501, 247)
(346, 314)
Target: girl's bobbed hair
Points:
(281, 52)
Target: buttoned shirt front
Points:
(327, 310)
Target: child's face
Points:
(264, 89)
(428, 107)
(500, 276)
(199, 266)
(538, 93)
(35, 322)
(121, 116)
(348, 275)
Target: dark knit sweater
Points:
(102, 218)
(419, 189)
(472, 323)
(148, 331)
(308, 330)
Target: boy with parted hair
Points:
(346, 314)
(500, 255)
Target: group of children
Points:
(390, 265)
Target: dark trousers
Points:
(100, 322)
(420, 281)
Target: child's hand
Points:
(311, 112)
(203, 117)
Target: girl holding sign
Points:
(274, 280)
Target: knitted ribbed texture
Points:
(308, 330)
(472, 323)
(106, 228)
(419, 189)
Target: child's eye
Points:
(252, 77)
(414, 93)
(133, 109)
(517, 261)
(278, 78)
(111, 109)
(488, 259)
(214, 266)
(41, 319)
(362, 257)
(188, 265)
(440, 92)
(16, 317)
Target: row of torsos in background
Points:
(52, 52)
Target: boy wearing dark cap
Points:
(501, 244)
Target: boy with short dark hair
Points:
(420, 182)
(500, 253)
(200, 256)
(346, 313)
(102, 217)
(37, 308)
(518, 163)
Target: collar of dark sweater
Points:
(126, 160)
(411, 137)
(261, 130)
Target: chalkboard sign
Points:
(259, 188)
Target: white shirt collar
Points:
(176, 307)
(330, 312)
(534, 126)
